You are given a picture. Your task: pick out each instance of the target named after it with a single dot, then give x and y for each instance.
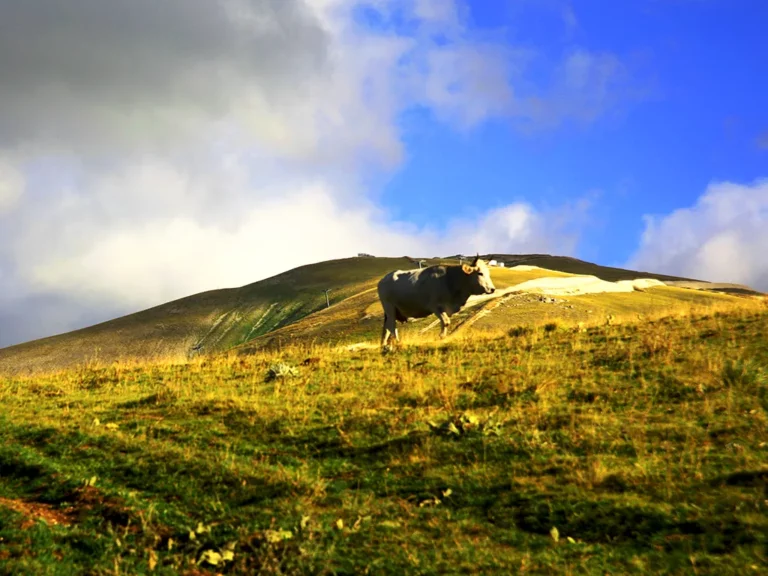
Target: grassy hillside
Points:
(358, 320)
(628, 449)
(596, 309)
(292, 306)
(205, 322)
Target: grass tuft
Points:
(744, 374)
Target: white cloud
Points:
(437, 11)
(568, 16)
(105, 257)
(585, 85)
(721, 238)
(11, 185)
(464, 84)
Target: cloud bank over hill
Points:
(723, 237)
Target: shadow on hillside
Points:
(169, 475)
(610, 522)
(319, 443)
(753, 478)
(151, 400)
(14, 467)
(604, 521)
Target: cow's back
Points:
(415, 293)
(398, 285)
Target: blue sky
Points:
(151, 151)
(701, 106)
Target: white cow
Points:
(438, 290)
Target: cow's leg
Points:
(393, 328)
(384, 332)
(390, 324)
(445, 321)
(401, 317)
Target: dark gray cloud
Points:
(96, 72)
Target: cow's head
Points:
(479, 277)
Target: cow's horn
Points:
(474, 262)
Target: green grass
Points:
(645, 445)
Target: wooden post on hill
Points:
(327, 301)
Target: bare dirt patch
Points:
(82, 502)
(34, 511)
(89, 500)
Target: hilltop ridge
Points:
(293, 305)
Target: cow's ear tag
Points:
(467, 269)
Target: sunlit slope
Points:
(575, 266)
(206, 322)
(359, 319)
(595, 309)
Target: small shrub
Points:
(519, 331)
(615, 358)
(743, 374)
(550, 327)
